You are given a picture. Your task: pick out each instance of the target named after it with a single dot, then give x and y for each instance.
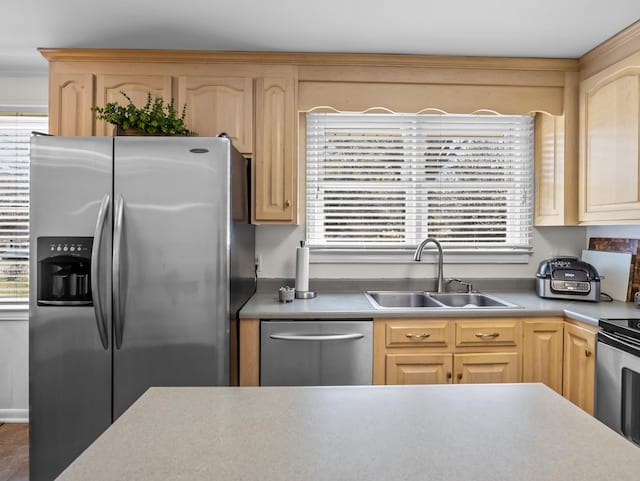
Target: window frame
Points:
(17, 308)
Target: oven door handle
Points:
(616, 340)
(317, 337)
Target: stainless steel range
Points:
(617, 400)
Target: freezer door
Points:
(69, 365)
(170, 265)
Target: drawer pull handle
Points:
(418, 336)
(491, 335)
(316, 337)
(587, 352)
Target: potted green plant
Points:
(155, 118)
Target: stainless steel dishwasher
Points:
(316, 352)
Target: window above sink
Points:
(377, 184)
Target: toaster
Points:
(568, 278)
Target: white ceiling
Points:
(521, 28)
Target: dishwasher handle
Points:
(317, 337)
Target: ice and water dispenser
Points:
(64, 271)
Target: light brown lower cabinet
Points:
(446, 351)
(559, 353)
(579, 366)
(419, 368)
(493, 367)
(542, 352)
(452, 368)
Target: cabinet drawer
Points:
(487, 333)
(418, 333)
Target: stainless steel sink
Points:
(395, 299)
(429, 300)
(470, 300)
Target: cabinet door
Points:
(556, 191)
(486, 368)
(219, 104)
(419, 368)
(579, 366)
(137, 87)
(70, 102)
(274, 160)
(542, 353)
(610, 136)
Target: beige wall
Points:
(14, 370)
(624, 231)
(26, 92)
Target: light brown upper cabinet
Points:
(609, 144)
(274, 161)
(256, 97)
(70, 102)
(556, 160)
(556, 170)
(137, 87)
(219, 104)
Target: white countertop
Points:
(523, 432)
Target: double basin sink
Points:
(431, 300)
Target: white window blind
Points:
(15, 134)
(385, 181)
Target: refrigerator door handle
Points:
(118, 318)
(95, 274)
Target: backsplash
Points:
(276, 246)
(624, 231)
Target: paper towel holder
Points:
(305, 294)
(302, 273)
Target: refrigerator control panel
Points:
(64, 271)
(70, 247)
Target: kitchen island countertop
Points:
(441, 433)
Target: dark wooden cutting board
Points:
(631, 246)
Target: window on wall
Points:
(387, 181)
(15, 134)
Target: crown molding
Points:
(611, 51)
(308, 59)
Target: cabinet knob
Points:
(287, 204)
(587, 352)
(449, 375)
(459, 376)
(424, 335)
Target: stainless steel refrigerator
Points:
(141, 256)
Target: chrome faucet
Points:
(418, 257)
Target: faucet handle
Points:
(468, 285)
